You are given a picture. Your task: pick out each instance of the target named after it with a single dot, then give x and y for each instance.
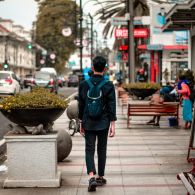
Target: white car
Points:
(8, 83)
(49, 69)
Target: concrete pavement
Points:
(141, 160)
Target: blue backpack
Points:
(94, 101)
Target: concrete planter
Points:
(32, 161)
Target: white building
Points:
(14, 42)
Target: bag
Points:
(94, 100)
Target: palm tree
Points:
(114, 8)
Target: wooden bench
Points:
(122, 95)
(188, 178)
(147, 109)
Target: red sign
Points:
(123, 47)
(141, 32)
(138, 33)
(121, 33)
(125, 57)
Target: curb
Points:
(2, 142)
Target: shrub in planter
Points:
(33, 108)
(141, 90)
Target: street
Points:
(66, 91)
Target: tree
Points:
(52, 17)
(113, 8)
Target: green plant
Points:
(141, 86)
(38, 98)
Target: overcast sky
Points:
(22, 12)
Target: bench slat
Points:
(186, 183)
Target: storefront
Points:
(182, 17)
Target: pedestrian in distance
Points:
(97, 114)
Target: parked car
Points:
(73, 81)
(28, 80)
(46, 80)
(9, 84)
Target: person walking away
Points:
(97, 114)
(187, 104)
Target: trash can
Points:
(173, 122)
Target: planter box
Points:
(32, 161)
(143, 93)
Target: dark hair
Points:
(99, 63)
(182, 77)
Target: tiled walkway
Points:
(141, 160)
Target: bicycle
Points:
(74, 126)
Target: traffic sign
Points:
(118, 21)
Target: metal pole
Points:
(96, 42)
(91, 18)
(81, 37)
(131, 52)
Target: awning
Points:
(164, 47)
(180, 17)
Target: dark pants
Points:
(90, 140)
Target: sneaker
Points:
(92, 185)
(101, 181)
(151, 122)
(156, 124)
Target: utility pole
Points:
(81, 36)
(91, 18)
(131, 51)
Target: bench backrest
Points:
(120, 93)
(168, 107)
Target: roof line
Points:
(5, 29)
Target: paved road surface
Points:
(4, 121)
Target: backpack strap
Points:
(102, 83)
(91, 85)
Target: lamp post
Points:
(91, 18)
(81, 36)
(131, 51)
(96, 41)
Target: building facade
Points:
(16, 48)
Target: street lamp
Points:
(81, 36)
(81, 31)
(131, 52)
(91, 18)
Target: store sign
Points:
(155, 47)
(141, 33)
(138, 33)
(123, 47)
(121, 33)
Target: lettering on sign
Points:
(138, 33)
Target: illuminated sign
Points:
(138, 33)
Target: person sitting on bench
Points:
(155, 99)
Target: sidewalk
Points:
(141, 160)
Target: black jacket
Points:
(109, 99)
